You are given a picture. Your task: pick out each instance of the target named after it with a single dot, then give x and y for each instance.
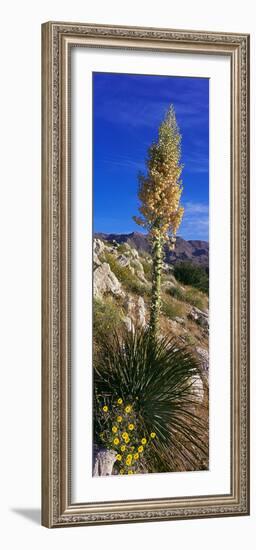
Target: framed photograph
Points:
(145, 274)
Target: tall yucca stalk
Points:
(159, 193)
(157, 378)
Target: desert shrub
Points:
(122, 248)
(125, 276)
(108, 243)
(193, 275)
(195, 298)
(176, 292)
(172, 308)
(107, 315)
(144, 405)
(147, 266)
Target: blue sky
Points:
(127, 111)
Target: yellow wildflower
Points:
(129, 457)
(128, 462)
(119, 457)
(116, 441)
(114, 429)
(143, 441)
(121, 471)
(153, 435)
(128, 408)
(130, 472)
(131, 427)
(140, 449)
(136, 456)
(125, 435)
(119, 419)
(119, 401)
(123, 447)
(105, 408)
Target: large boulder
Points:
(104, 460)
(197, 388)
(98, 249)
(105, 282)
(203, 355)
(123, 260)
(136, 312)
(200, 317)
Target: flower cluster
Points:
(122, 433)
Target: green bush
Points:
(148, 383)
(192, 275)
(125, 276)
(196, 298)
(147, 266)
(172, 308)
(122, 248)
(176, 292)
(107, 316)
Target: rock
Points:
(105, 281)
(104, 460)
(98, 246)
(200, 317)
(139, 271)
(128, 324)
(123, 260)
(171, 283)
(136, 310)
(197, 388)
(179, 320)
(134, 253)
(141, 312)
(204, 358)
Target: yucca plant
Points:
(155, 377)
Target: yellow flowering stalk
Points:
(159, 193)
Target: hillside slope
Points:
(122, 292)
(193, 250)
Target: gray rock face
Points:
(204, 358)
(136, 312)
(104, 282)
(98, 248)
(128, 323)
(123, 260)
(197, 388)
(200, 317)
(104, 460)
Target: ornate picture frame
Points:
(58, 39)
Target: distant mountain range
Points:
(185, 251)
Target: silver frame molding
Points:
(57, 41)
